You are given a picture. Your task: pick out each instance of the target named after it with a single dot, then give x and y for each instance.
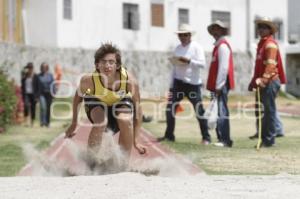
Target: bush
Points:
(8, 101)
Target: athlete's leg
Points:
(97, 115)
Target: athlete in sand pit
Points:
(112, 100)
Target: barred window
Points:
(222, 16)
(183, 16)
(157, 11)
(131, 16)
(279, 34)
(67, 12)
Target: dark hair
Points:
(42, 64)
(29, 65)
(105, 49)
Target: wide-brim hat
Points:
(217, 23)
(185, 28)
(267, 21)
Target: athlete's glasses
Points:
(110, 62)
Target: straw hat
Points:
(217, 23)
(185, 28)
(267, 21)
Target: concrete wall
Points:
(293, 74)
(151, 68)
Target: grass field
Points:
(242, 158)
(11, 141)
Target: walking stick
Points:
(259, 120)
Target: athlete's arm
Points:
(133, 87)
(85, 83)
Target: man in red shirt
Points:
(221, 80)
(268, 75)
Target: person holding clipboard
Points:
(188, 59)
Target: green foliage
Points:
(8, 101)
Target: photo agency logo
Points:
(155, 104)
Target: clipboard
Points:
(176, 61)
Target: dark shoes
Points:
(147, 118)
(253, 137)
(280, 135)
(160, 139)
(264, 145)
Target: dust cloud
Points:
(72, 159)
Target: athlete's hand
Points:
(70, 131)
(140, 148)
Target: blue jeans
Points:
(193, 93)
(223, 126)
(278, 123)
(268, 96)
(45, 105)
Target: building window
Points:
(131, 16)
(67, 9)
(222, 16)
(183, 16)
(157, 11)
(279, 34)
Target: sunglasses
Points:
(184, 34)
(261, 26)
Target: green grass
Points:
(11, 154)
(242, 158)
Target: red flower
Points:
(1, 109)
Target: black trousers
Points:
(29, 106)
(193, 93)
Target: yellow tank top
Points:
(108, 96)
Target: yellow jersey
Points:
(107, 95)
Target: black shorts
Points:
(91, 102)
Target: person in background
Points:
(221, 79)
(268, 76)
(29, 88)
(45, 92)
(57, 76)
(186, 81)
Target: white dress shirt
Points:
(189, 73)
(28, 85)
(223, 57)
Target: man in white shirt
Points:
(186, 81)
(221, 80)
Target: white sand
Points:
(137, 186)
(172, 181)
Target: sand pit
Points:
(138, 186)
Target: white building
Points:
(144, 29)
(144, 24)
(293, 50)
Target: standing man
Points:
(268, 75)
(45, 91)
(186, 81)
(221, 79)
